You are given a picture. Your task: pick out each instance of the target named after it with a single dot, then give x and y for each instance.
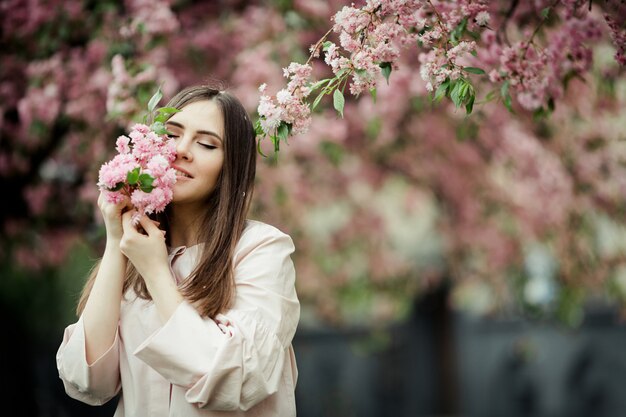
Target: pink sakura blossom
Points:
(482, 18)
(41, 104)
(152, 202)
(150, 154)
(150, 17)
(350, 20)
(288, 106)
(114, 171)
(433, 69)
(299, 78)
(461, 49)
(534, 73)
(122, 144)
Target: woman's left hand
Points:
(147, 252)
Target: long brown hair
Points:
(211, 285)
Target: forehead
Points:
(201, 115)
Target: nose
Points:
(183, 149)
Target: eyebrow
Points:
(201, 132)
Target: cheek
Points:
(214, 169)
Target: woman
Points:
(192, 315)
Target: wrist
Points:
(112, 247)
(157, 273)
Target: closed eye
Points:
(206, 145)
(172, 136)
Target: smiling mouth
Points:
(180, 173)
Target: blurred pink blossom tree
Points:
(520, 205)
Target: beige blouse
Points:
(239, 364)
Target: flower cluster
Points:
(534, 74)
(287, 113)
(440, 65)
(141, 171)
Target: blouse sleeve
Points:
(93, 384)
(235, 360)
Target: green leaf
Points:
(326, 45)
(168, 110)
(165, 113)
(258, 147)
(469, 106)
(545, 13)
(146, 188)
(283, 131)
(117, 187)
(317, 100)
(457, 33)
(504, 90)
(473, 35)
(455, 94)
(155, 100)
(146, 179)
(276, 143)
(385, 68)
(258, 130)
(490, 95)
(133, 176)
(442, 90)
(318, 84)
(474, 70)
(463, 90)
(506, 96)
(159, 128)
(339, 101)
(508, 104)
(373, 94)
(340, 73)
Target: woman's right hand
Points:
(112, 215)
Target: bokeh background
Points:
(447, 265)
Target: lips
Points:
(180, 172)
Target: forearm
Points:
(164, 292)
(102, 310)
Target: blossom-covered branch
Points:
(456, 46)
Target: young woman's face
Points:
(198, 130)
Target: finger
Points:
(127, 221)
(127, 203)
(124, 204)
(149, 225)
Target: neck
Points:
(184, 225)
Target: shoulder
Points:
(258, 236)
(258, 230)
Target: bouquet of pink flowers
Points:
(142, 168)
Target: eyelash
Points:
(205, 145)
